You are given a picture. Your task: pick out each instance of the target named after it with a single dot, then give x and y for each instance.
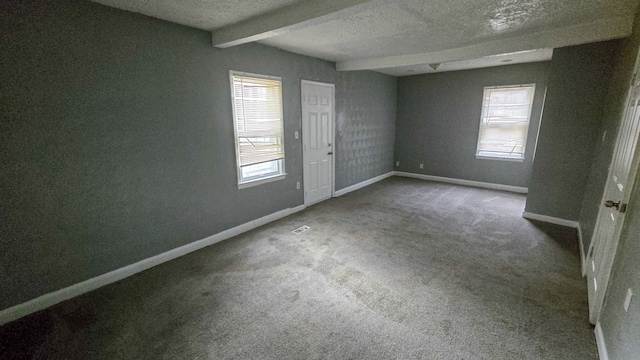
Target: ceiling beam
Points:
(290, 18)
(601, 30)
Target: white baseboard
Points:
(583, 260)
(602, 347)
(362, 184)
(50, 299)
(480, 184)
(550, 219)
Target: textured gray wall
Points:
(439, 117)
(364, 134)
(117, 140)
(579, 78)
(621, 329)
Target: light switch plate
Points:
(627, 300)
(297, 135)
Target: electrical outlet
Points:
(298, 185)
(421, 166)
(627, 300)
(397, 163)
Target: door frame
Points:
(612, 248)
(304, 82)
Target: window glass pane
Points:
(506, 113)
(257, 106)
(259, 170)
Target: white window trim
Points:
(254, 182)
(517, 158)
(261, 181)
(503, 158)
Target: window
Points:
(506, 111)
(259, 129)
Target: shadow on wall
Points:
(565, 237)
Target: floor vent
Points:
(301, 229)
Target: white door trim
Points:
(600, 343)
(304, 82)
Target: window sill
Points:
(503, 158)
(261, 181)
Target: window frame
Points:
(519, 158)
(274, 176)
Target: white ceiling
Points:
(401, 37)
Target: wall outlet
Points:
(421, 166)
(627, 300)
(397, 163)
(298, 185)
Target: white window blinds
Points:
(258, 119)
(506, 112)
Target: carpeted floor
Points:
(402, 269)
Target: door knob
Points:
(330, 153)
(611, 203)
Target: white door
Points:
(317, 138)
(614, 202)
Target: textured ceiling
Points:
(388, 28)
(415, 26)
(201, 14)
(488, 61)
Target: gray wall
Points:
(621, 329)
(579, 78)
(439, 116)
(364, 134)
(117, 140)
